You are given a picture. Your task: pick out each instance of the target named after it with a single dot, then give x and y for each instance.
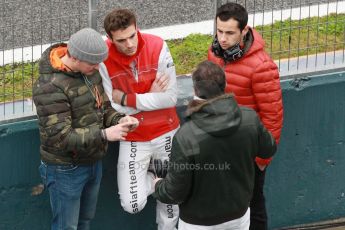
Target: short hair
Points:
(119, 19)
(208, 80)
(234, 11)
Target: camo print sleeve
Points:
(68, 120)
(111, 117)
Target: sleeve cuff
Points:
(103, 136)
(131, 100)
(262, 161)
(116, 118)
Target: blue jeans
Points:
(73, 191)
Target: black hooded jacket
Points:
(211, 170)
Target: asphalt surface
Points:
(27, 23)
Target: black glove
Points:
(158, 167)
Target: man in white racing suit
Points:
(140, 80)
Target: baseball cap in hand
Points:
(88, 45)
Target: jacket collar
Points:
(197, 104)
(253, 42)
(45, 67)
(219, 116)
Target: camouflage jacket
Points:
(70, 122)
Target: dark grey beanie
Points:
(88, 45)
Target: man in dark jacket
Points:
(75, 122)
(211, 170)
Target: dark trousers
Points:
(258, 215)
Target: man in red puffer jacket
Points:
(254, 79)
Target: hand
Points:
(132, 121)
(160, 84)
(156, 180)
(153, 184)
(261, 167)
(117, 96)
(117, 132)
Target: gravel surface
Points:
(34, 22)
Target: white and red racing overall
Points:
(158, 120)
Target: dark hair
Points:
(234, 11)
(208, 80)
(119, 19)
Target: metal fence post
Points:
(93, 14)
(216, 6)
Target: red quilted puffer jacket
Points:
(254, 79)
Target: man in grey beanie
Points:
(76, 121)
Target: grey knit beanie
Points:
(88, 45)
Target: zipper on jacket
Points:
(134, 69)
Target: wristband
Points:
(123, 99)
